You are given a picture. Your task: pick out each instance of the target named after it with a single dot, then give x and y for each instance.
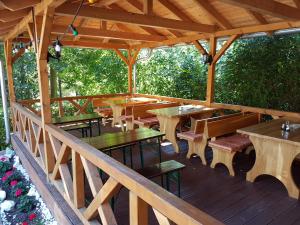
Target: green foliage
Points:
(4, 166)
(262, 72)
(176, 72)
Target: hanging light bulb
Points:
(74, 30)
(92, 1)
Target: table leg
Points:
(131, 160)
(168, 126)
(99, 128)
(274, 158)
(159, 148)
(124, 155)
(91, 129)
(141, 154)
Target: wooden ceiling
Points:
(148, 23)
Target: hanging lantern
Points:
(92, 1)
(207, 59)
(57, 47)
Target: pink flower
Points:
(2, 159)
(18, 192)
(13, 183)
(32, 216)
(4, 178)
(25, 223)
(9, 173)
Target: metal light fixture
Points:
(57, 47)
(207, 59)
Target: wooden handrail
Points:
(142, 190)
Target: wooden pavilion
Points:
(124, 26)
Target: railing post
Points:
(138, 210)
(42, 65)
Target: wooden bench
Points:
(142, 118)
(197, 138)
(171, 169)
(102, 109)
(83, 127)
(225, 147)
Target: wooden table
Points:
(170, 117)
(274, 152)
(79, 118)
(111, 141)
(119, 105)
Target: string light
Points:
(92, 1)
(57, 48)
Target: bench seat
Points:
(105, 112)
(190, 136)
(225, 148)
(150, 121)
(83, 127)
(166, 168)
(233, 143)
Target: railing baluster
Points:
(138, 210)
(78, 180)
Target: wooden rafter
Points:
(132, 18)
(15, 5)
(297, 3)
(175, 10)
(269, 7)
(7, 25)
(97, 33)
(139, 7)
(214, 14)
(148, 7)
(8, 16)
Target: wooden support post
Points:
(130, 69)
(9, 68)
(211, 73)
(44, 83)
(138, 210)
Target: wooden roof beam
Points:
(8, 16)
(148, 7)
(132, 18)
(97, 33)
(175, 10)
(38, 9)
(259, 18)
(5, 25)
(269, 7)
(139, 7)
(214, 14)
(297, 3)
(14, 5)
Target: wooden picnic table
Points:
(119, 140)
(275, 151)
(170, 117)
(79, 118)
(119, 105)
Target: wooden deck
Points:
(231, 200)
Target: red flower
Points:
(25, 223)
(32, 216)
(4, 178)
(18, 192)
(9, 173)
(13, 183)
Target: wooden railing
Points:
(87, 160)
(87, 99)
(79, 103)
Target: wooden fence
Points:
(85, 159)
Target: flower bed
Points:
(20, 202)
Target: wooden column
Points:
(211, 73)
(138, 210)
(9, 68)
(42, 67)
(130, 69)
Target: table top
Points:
(129, 101)
(114, 140)
(77, 118)
(272, 130)
(179, 111)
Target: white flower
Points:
(7, 205)
(2, 195)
